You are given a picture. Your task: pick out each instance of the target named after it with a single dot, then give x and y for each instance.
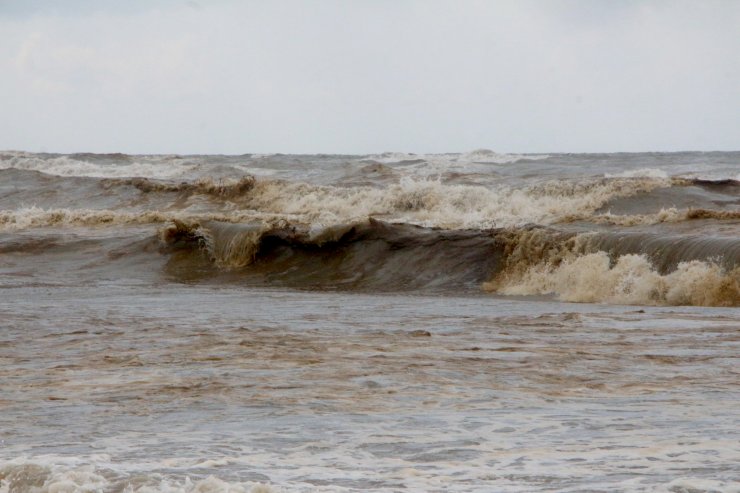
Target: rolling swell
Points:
(377, 256)
(367, 255)
(227, 188)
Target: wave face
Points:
(652, 229)
(369, 255)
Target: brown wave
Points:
(374, 255)
(116, 157)
(635, 267)
(670, 215)
(719, 183)
(367, 255)
(35, 217)
(417, 201)
(424, 202)
(227, 188)
(624, 268)
(629, 279)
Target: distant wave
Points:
(36, 217)
(639, 173)
(158, 167)
(671, 215)
(428, 203)
(432, 203)
(227, 188)
(477, 156)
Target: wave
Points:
(225, 188)
(24, 476)
(367, 255)
(373, 255)
(480, 164)
(639, 173)
(428, 203)
(717, 182)
(617, 268)
(40, 477)
(670, 215)
(635, 267)
(632, 279)
(432, 203)
(36, 217)
(483, 156)
(391, 232)
(102, 166)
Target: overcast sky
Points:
(342, 76)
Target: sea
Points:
(396, 322)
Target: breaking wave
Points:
(632, 279)
(225, 188)
(429, 203)
(373, 255)
(671, 215)
(99, 165)
(432, 203)
(367, 255)
(617, 268)
(395, 231)
(21, 476)
(36, 217)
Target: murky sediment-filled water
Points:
(465, 323)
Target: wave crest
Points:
(432, 203)
(159, 167)
(632, 279)
(37, 217)
(225, 188)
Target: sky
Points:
(343, 76)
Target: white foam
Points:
(435, 204)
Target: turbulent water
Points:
(392, 322)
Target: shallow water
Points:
(349, 392)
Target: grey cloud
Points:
(338, 76)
